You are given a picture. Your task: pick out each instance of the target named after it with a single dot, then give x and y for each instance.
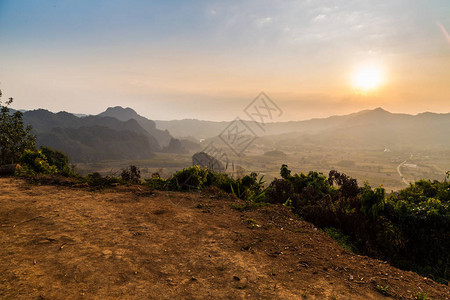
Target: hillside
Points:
(133, 243)
(124, 114)
(91, 138)
(97, 143)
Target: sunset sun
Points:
(367, 78)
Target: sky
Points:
(209, 59)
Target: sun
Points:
(368, 78)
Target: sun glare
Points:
(368, 78)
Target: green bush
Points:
(188, 179)
(156, 182)
(35, 162)
(59, 160)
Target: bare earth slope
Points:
(129, 243)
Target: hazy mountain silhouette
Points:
(120, 133)
(91, 138)
(97, 143)
(376, 127)
(124, 114)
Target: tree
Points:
(372, 201)
(15, 137)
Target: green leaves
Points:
(15, 137)
(372, 201)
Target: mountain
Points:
(376, 127)
(192, 128)
(91, 138)
(97, 143)
(124, 114)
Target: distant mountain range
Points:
(120, 133)
(371, 128)
(376, 127)
(116, 134)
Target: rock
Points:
(107, 252)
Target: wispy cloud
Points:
(444, 31)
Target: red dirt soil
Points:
(132, 243)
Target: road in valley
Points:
(400, 172)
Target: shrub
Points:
(97, 180)
(188, 179)
(35, 162)
(156, 182)
(131, 174)
(59, 160)
(279, 191)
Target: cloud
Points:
(444, 31)
(319, 18)
(260, 23)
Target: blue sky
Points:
(208, 59)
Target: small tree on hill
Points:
(15, 137)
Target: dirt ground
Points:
(131, 243)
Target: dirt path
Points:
(130, 243)
(400, 172)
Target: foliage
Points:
(383, 290)
(44, 161)
(285, 172)
(279, 191)
(156, 182)
(408, 228)
(15, 137)
(131, 174)
(97, 180)
(340, 238)
(249, 187)
(188, 179)
(372, 201)
(59, 160)
(422, 296)
(35, 162)
(421, 212)
(348, 187)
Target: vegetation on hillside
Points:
(408, 228)
(17, 146)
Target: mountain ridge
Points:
(208, 129)
(124, 114)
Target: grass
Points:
(383, 290)
(340, 238)
(422, 296)
(251, 223)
